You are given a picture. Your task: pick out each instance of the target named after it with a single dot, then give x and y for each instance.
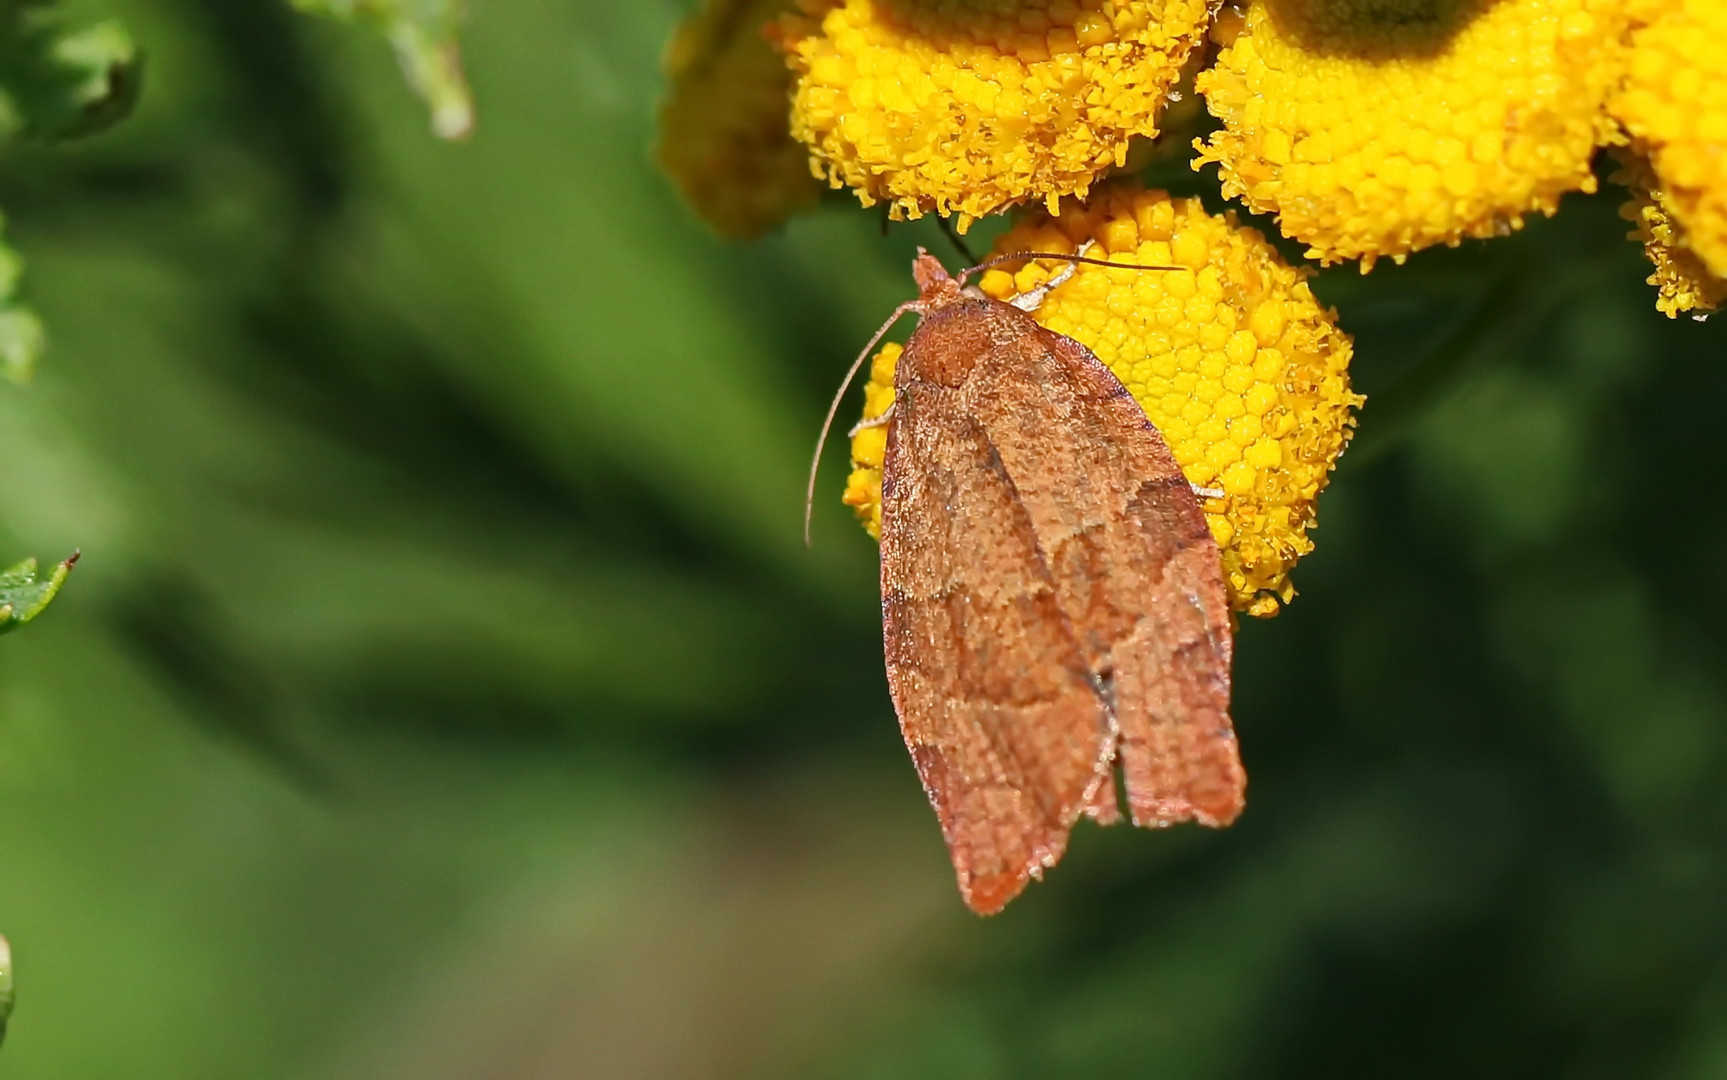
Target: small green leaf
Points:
(423, 33)
(23, 594)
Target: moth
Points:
(1053, 603)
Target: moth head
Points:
(934, 284)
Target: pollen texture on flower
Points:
(1380, 127)
(1675, 106)
(1237, 365)
(1682, 281)
(724, 138)
(869, 441)
(969, 106)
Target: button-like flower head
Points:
(970, 106)
(1379, 127)
(723, 135)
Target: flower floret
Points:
(1681, 279)
(1675, 106)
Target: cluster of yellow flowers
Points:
(1369, 128)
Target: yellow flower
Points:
(1681, 280)
(1234, 361)
(724, 138)
(1675, 105)
(1380, 127)
(869, 442)
(970, 106)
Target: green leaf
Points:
(423, 33)
(23, 595)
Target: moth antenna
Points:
(1019, 256)
(834, 408)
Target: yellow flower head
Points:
(1682, 281)
(724, 138)
(1232, 358)
(1675, 105)
(1380, 127)
(969, 106)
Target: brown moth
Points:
(1053, 603)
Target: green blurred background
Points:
(445, 692)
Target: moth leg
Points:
(1104, 805)
(878, 421)
(1031, 301)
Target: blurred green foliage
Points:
(424, 35)
(58, 80)
(447, 692)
